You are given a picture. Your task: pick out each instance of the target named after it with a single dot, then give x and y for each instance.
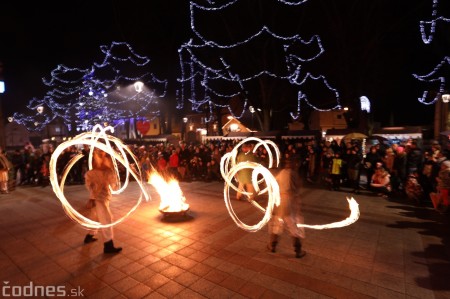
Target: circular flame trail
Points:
(119, 155)
(229, 168)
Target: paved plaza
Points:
(395, 250)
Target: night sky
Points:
(372, 48)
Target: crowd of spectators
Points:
(403, 169)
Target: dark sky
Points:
(372, 48)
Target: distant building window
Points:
(57, 130)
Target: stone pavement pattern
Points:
(395, 250)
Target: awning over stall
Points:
(400, 133)
(302, 134)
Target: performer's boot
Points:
(89, 239)
(299, 253)
(272, 246)
(4, 187)
(109, 247)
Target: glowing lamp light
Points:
(138, 86)
(446, 98)
(365, 104)
(234, 127)
(185, 119)
(10, 119)
(202, 132)
(40, 109)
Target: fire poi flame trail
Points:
(229, 168)
(354, 215)
(91, 139)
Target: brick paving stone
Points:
(395, 250)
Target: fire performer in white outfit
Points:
(288, 213)
(98, 181)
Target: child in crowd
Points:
(381, 182)
(336, 171)
(440, 198)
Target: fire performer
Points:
(288, 213)
(5, 167)
(98, 181)
(244, 176)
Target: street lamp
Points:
(138, 86)
(252, 111)
(184, 128)
(446, 98)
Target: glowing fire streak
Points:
(354, 216)
(91, 139)
(272, 189)
(229, 168)
(172, 198)
(228, 161)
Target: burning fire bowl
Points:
(174, 214)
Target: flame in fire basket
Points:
(172, 198)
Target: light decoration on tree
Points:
(102, 94)
(431, 24)
(201, 72)
(437, 77)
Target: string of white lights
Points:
(438, 74)
(198, 73)
(427, 38)
(103, 93)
